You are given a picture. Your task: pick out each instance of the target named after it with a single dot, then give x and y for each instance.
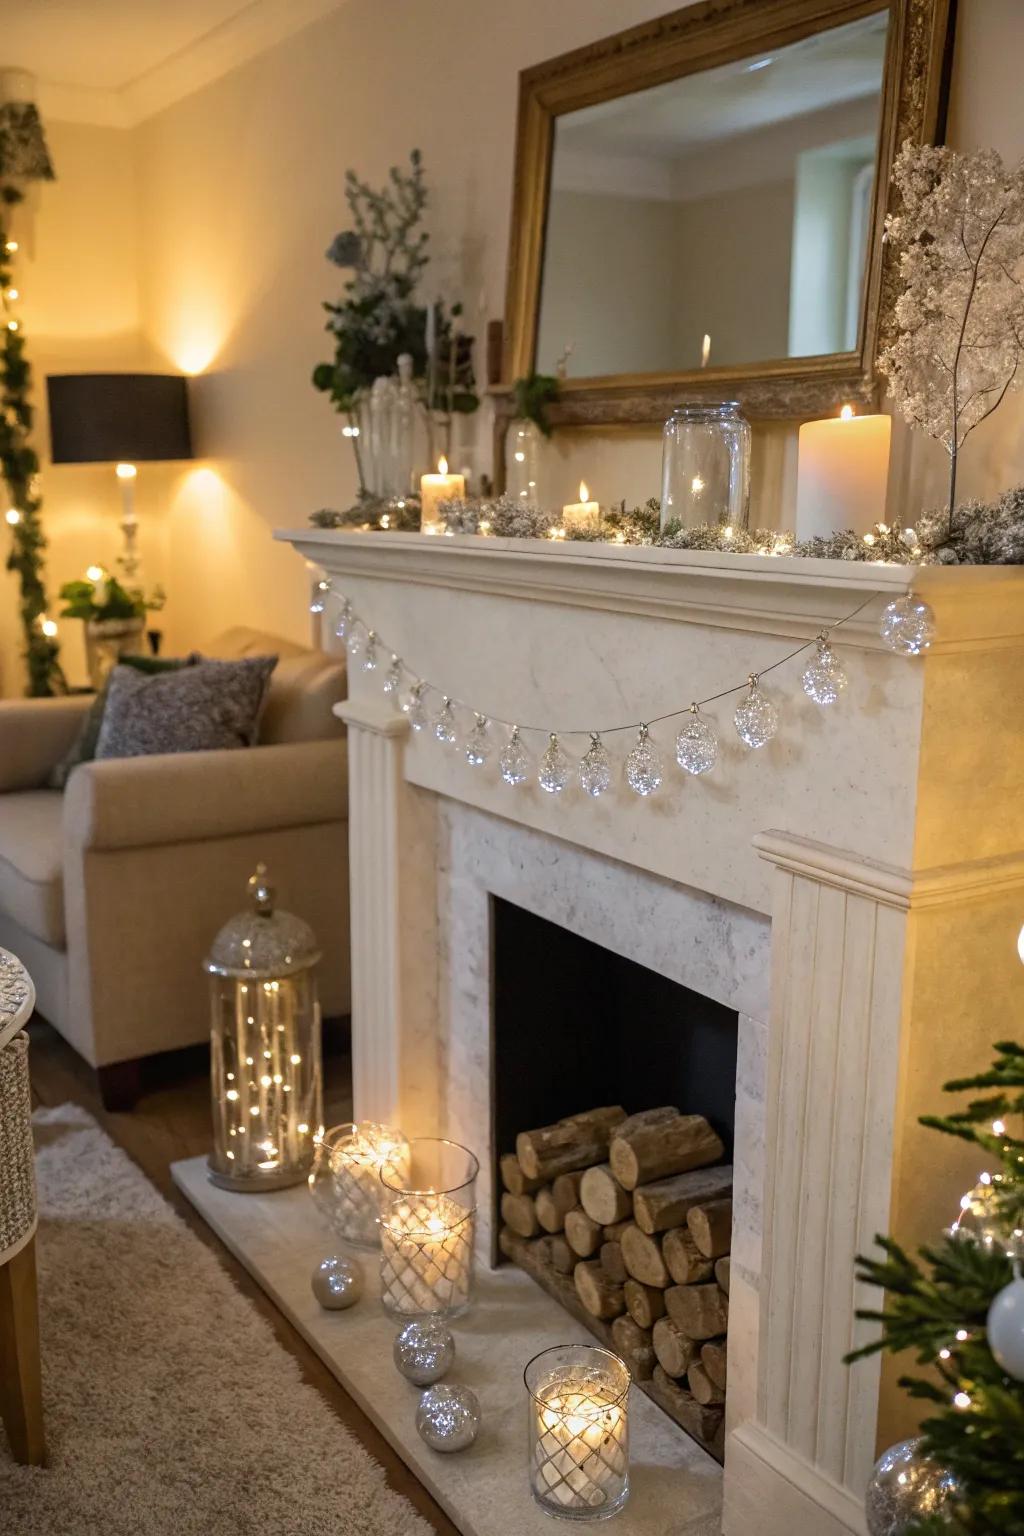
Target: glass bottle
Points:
(524, 445)
(705, 470)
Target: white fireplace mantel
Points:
(854, 890)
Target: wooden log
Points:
(600, 1295)
(520, 1213)
(713, 1359)
(582, 1233)
(634, 1345)
(548, 1214)
(612, 1262)
(574, 1142)
(653, 1150)
(645, 1303)
(675, 1352)
(710, 1225)
(700, 1421)
(566, 1191)
(531, 1257)
(722, 1273)
(513, 1177)
(664, 1204)
(643, 1258)
(613, 1234)
(647, 1117)
(685, 1263)
(603, 1197)
(701, 1311)
(703, 1388)
(561, 1255)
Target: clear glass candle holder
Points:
(705, 467)
(427, 1219)
(578, 1431)
(345, 1178)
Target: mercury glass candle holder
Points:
(578, 1431)
(428, 1211)
(345, 1177)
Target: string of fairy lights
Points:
(906, 626)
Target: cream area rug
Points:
(171, 1410)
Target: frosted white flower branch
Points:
(907, 626)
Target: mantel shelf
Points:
(977, 606)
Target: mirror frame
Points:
(696, 38)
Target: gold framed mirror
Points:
(699, 203)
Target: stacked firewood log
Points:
(627, 1220)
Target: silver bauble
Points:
(1006, 1328)
(907, 625)
(424, 1351)
(448, 1418)
(905, 1486)
(337, 1282)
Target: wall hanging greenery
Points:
(23, 157)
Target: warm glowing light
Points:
(705, 351)
(846, 414)
(385, 520)
(442, 465)
(696, 485)
(94, 573)
(869, 539)
(11, 246)
(232, 1094)
(49, 628)
(520, 456)
(13, 295)
(484, 526)
(126, 471)
(12, 325)
(12, 516)
(350, 431)
(1020, 945)
(998, 1128)
(962, 1335)
(961, 1400)
(584, 491)
(944, 1354)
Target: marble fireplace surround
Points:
(848, 890)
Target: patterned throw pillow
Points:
(84, 749)
(202, 708)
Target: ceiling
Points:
(119, 61)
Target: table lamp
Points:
(123, 419)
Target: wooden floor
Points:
(173, 1121)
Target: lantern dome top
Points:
(262, 942)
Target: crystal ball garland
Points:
(644, 767)
(905, 1488)
(478, 743)
(555, 768)
(595, 769)
(696, 744)
(448, 1418)
(443, 724)
(515, 762)
(424, 1350)
(756, 717)
(823, 679)
(907, 625)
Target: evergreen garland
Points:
(938, 1305)
(19, 466)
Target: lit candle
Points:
(346, 1178)
(426, 1255)
(705, 351)
(842, 473)
(579, 1460)
(433, 490)
(583, 513)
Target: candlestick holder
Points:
(578, 1431)
(345, 1178)
(427, 1221)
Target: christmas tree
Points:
(940, 1305)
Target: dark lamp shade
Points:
(110, 418)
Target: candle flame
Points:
(584, 492)
(442, 465)
(705, 351)
(846, 414)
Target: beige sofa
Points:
(112, 892)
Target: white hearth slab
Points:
(676, 1487)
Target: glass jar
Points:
(705, 467)
(427, 1219)
(345, 1178)
(578, 1431)
(524, 453)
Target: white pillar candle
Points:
(583, 513)
(433, 490)
(426, 1261)
(842, 473)
(580, 1447)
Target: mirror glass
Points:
(734, 204)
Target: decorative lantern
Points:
(427, 1219)
(578, 1431)
(266, 1076)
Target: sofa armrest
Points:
(35, 734)
(184, 797)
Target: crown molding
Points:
(254, 29)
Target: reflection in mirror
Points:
(734, 203)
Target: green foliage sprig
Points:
(936, 1306)
(533, 395)
(105, 599)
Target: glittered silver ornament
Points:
(756, 717)
(337, 1282)
(415, 707)
(478, 743)
(370, 654)
(823, 678)
(1005, 1326)
(514, 761)
(595, 770)
(424, 1351)
(443, 724)
(906, 1487)
(644, 767)
(696, 744)
(448, 1418)
(319, 602)
(393, 677)
(907, 625)
(555, 768)
(345, 618)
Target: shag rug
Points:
(171, 1409)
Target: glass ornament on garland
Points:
(555, 767)
(415, 707)
(515, 762)
(908, 625)
(345, 620)
(644, 767)
(478, 743)
(756, 717)
(444, 723)
(393, 677)
(823, 678)
(696, 744)
(595, 770)
(355, 640)
(370, 654)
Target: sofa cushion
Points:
(207, 707)
(303, 691)
(84, 747)
(31, 862)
